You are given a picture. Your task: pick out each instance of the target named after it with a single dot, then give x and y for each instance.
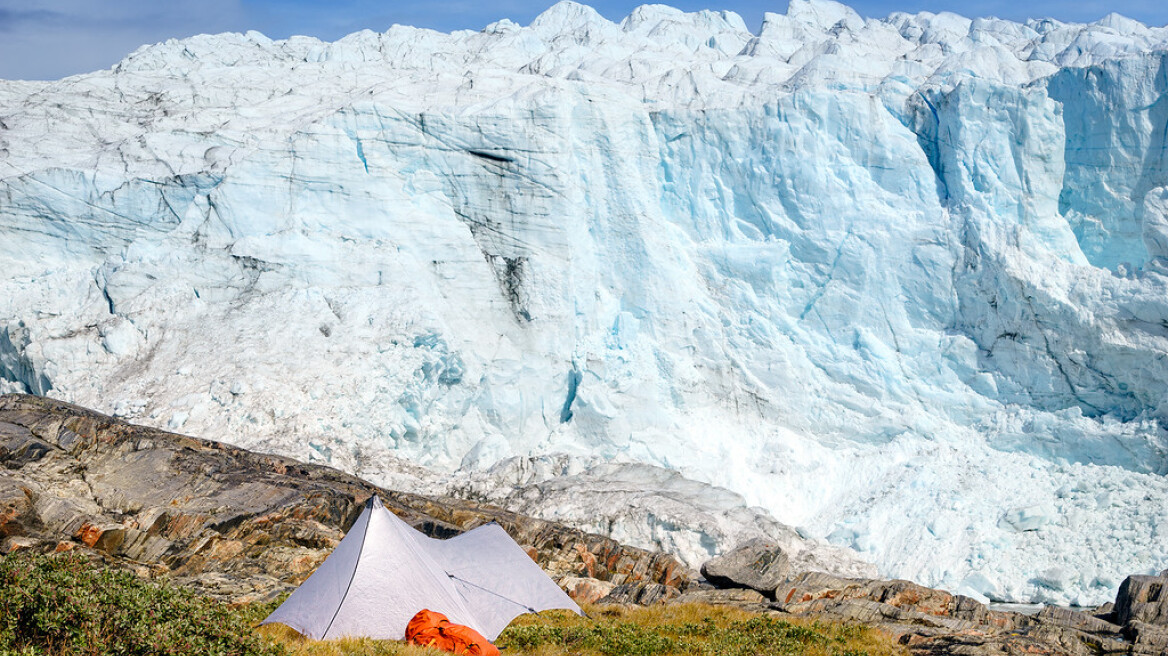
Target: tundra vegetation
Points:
(67, 605)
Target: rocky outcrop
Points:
(877, 601)
(929, 621)
(758, 564)
(1146, 638)
(586, 590)
(640, 593)
(1080, 621)
(232, 523)
(1144, 599)
(744, 598)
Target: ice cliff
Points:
(902, 283)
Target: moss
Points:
(65, 606)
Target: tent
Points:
(384, 571)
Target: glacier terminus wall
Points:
(900, 283)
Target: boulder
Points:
(17, 507)
(906, 594)
(979, 644)
(1146, 638)
(585, 590)
(738, 597)
(1075, 632)
(1105, 611)
(105, 537)
(1064, 641)
(1080, 621)
(815, 592)
(1143, 598)
(758, 564)
(813, 585)
(643, 594)
(16, 543)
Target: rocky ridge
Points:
(930, 621)
(231, 523)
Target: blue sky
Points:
(48, 39)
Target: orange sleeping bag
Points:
(431, 629)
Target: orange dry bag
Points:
(431, 629)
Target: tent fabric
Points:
(384, 571)
(430, 629)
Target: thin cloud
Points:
(67, 37)
(15, 15)
(12, 19)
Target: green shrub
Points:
(764, 635)
(66, 606)
(609, 639)
(749, 637)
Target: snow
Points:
(900, 283)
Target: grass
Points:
(696, 629)
(673, 630)
(68, 606)
(294, 644)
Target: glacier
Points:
(900, 284)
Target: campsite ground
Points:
(69, 605)
(664, 630)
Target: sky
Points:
(49, 39)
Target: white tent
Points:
(384, 571)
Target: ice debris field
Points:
(899, 286)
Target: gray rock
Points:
(1065, 640)
(813, 585)
(643, 594)
(1143, 598)
(1077, 620)
(17, 503)
(759, 565)
(230, 523)
(1041, 639)
(16, 543)
(585, 590)
(738, 597)
(1146, 638)
(1105, 612)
